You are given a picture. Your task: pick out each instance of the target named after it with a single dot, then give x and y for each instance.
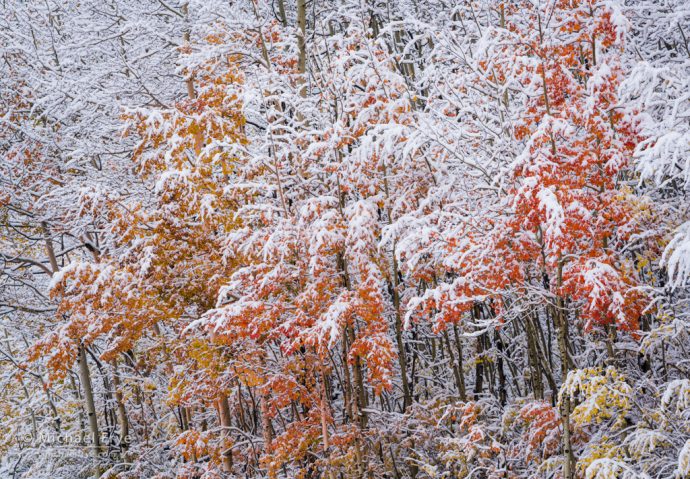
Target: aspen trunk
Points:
(569, 463)
(347, 387)
(121, 410)
(402, 359)
(49, 248)
(189, 81)
(266, 424)
(85, 377)
(533, 358)
(281, 12)
(479, 366)
(360, 391)
(224, 416)
(568, 466)
(301, 36)
(461, 367)
(459, 380)
(502, 393)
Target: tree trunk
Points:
(502, 393)
(533, 358)
(266, 424)
(461, 367)
(459, 380)
(121, 411)
(224, 416)
(569, 463)
(85, 377)
(479, 361)
(402, 360)
(301, 35)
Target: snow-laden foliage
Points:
(353, 239)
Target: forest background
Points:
(344, 239)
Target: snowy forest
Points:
(344, 239)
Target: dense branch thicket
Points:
(346, 239)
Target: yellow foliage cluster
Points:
(602, 394)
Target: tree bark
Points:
(121, 410)
(85, 377)
(225, 424)
(459, 379)
(569, 463)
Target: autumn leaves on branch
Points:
(352, 243)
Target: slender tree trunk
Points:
(266, 427)
(82, 416)
(461, 366)
(189, 81)
(569, 463)
(502, 393)
(302, 35)
(225, 424)
(121, 410)
(302, 48)
(533, 358)
(50, 250)
(459, 380)
(360, 390)
(347, 386)
(85, 377)
(610, 330)
(402, 360)
(281, 13)
(479, 366)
